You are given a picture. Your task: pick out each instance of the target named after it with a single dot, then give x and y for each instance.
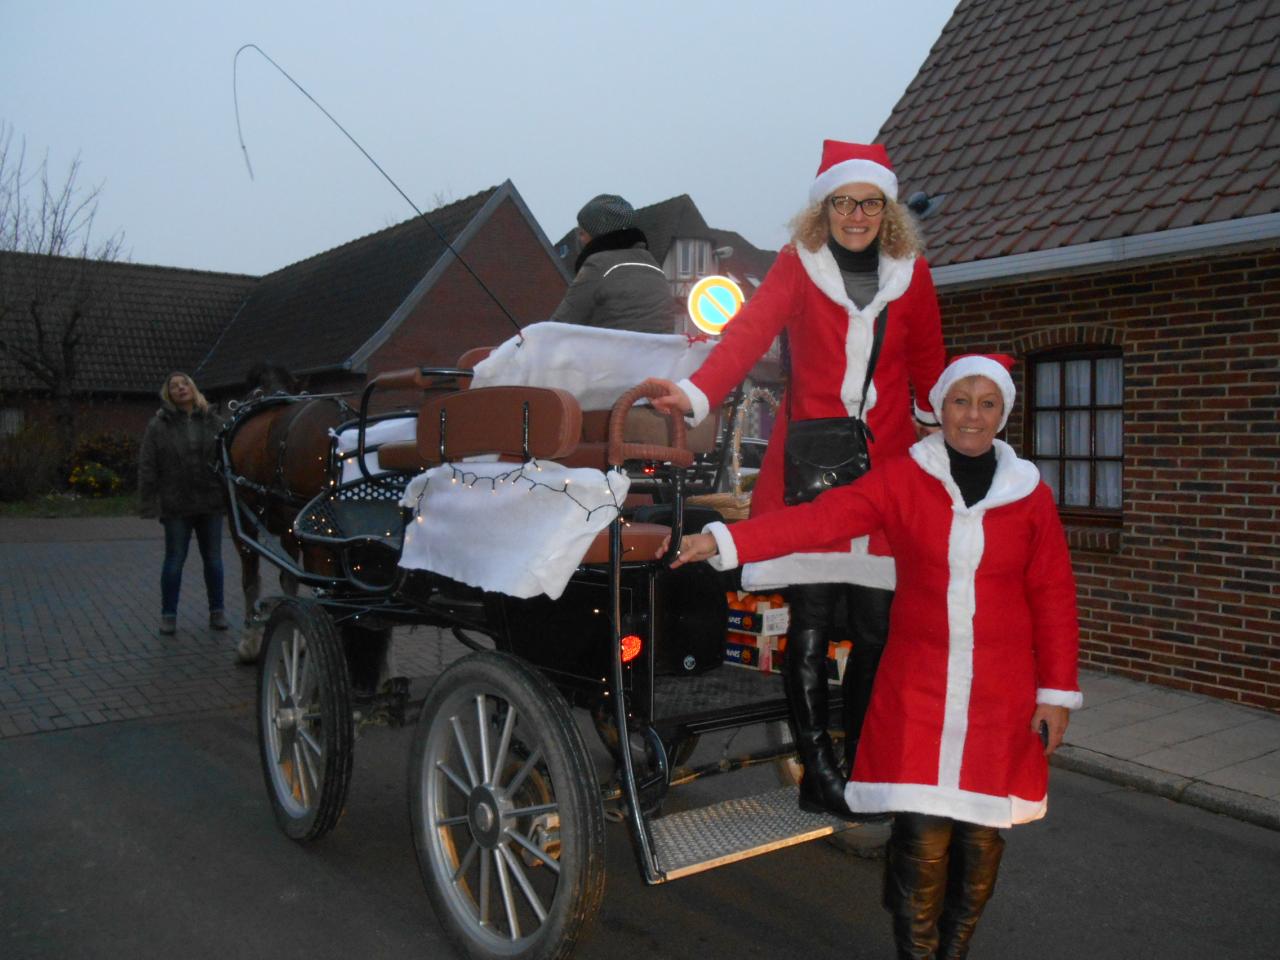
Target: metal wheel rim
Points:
(292, 720)
(501, 876)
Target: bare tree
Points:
(53, 288)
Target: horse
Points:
(277, 449)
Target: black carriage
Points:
(508, 808)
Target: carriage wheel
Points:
(507, 819)
(305, 729)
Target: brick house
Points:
(1103, 203)
(140, 323)
(396, 298)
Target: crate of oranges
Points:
(757, 629)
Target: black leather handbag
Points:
(831, 451)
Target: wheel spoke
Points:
(482, 725)
(504, 743)
(508, 902)
(300, 772)
(461, 739)
(453, 778)
(306, 685)
(452, 821)
(535, 810)
(517, 870)
(292, 652)
(309, 740)
(534, 849)
(485, 880)
(534, 759)
(467, 859)
(282, 690)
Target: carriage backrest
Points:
(491, 420)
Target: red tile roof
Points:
(1050, 125)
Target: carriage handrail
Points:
(413, 378)
(677, 454)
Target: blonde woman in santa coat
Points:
(855, 254)
(979, 673)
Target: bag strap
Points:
(876, 340)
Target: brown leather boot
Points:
(913, 894)
(975, 861)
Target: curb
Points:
(1207, 796)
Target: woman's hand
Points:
(693, 547)
(1056, 719)
(672, 400)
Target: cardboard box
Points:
(773, 622)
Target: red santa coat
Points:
(830, 341)
(983, 627)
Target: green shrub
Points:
(29, 461)
(118, 452)
(92, 479)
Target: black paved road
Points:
(153, 839)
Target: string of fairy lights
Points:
(471, 481)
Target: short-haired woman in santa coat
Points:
(855, 254)
(981, 659)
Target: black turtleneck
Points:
(973, 475)
(856, 261)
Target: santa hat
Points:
(995, 367)
(853, 163)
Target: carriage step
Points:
(692, 841)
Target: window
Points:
(1076, 424)
(692, 258)
(11, 421)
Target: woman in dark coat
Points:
(177, 484)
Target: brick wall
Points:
(457, 315)
(1186, 591)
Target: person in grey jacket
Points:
(617, 283)
(177, 484)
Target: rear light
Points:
(631, 645)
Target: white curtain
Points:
(1077, 383)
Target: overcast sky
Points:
(728, 102)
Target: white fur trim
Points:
(1015, 478)
(926, 416)
(697, 399)
(856, 566)
(980, 808)
(1071, 699)
(894, 277)
(853, 171)
(965, 545)
(975, 366)
(727, 558)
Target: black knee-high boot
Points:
(868, 622)
(971, 879)
(913, 894)
(805, 682)
(822, 786)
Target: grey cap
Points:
(605, 214)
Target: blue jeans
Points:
(177, 538)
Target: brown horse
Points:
(278, 446)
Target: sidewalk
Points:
(78, 646)
(1190, 748)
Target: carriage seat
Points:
(492, 421)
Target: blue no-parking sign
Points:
(713, 301)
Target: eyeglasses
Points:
(871, 207)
